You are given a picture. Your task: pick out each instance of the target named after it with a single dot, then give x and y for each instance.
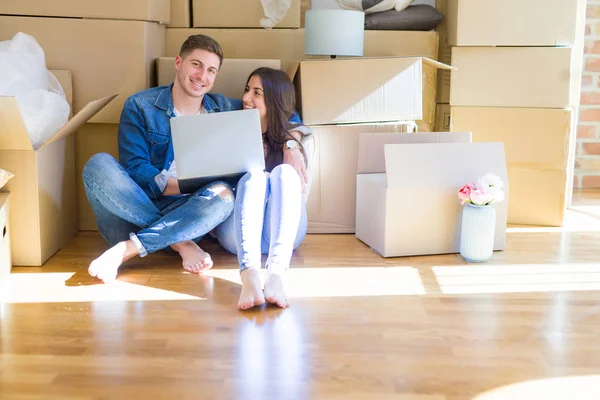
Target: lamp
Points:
(334, 33)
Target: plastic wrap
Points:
(23, 74)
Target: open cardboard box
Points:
(407, 193)
(331, 205)
(362, 90)
(43, 217)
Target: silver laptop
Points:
(216, 146)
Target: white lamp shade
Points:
(334, 32)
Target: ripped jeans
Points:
(123, 211)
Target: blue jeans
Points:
(123, 211)
(269, 218)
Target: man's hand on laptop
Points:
(294, 158)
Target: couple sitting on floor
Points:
(137, 202)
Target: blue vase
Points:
(477, 232)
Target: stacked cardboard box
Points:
(387, 97)
(109, 48)
(181, 14)
(514, 84)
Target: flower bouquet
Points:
(485, 191)
(478, 224)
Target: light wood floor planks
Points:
(523, 326)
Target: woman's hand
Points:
(294, 158)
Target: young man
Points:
(136, 201)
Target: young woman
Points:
(270, 214)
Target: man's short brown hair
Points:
(202, 42)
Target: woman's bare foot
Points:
(194, 259)
(274, 290)
(252, 294)
(107, 265)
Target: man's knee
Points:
(97, 163)
(223, 191)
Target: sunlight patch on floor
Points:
(560, 388)
(343, 282)
(517, 278)
(51, 287)
(576, 219)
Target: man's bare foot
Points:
(252, 294)
(194, 259)
(107, 265)
(274, 291)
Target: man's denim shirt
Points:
(145, 146)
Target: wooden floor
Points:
(525, 325)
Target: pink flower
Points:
(465, 192)
(480, 197)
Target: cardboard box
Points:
(89, 140)
(511, 77)
(511, 22)
(442, 118)
(140, 10)
(181, 14)
(238, 14)
(304, 5)
(105, 56)
(387, 44)
(407, 211)
(331, 205)
(287, 45)
(5, 253)
(43, 188)
(383, 89)
(536, 142)
(231, 79)
(577, 67)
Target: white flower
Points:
(491, 180)
(496, 193)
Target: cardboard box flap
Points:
(437, 64)
(13, 134)
(425, 60)
(371, 158)
(442, 164)
(292, 69)
(80, 118)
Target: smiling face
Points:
(196, 72)
(254, 97)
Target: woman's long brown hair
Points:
(280, 100)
